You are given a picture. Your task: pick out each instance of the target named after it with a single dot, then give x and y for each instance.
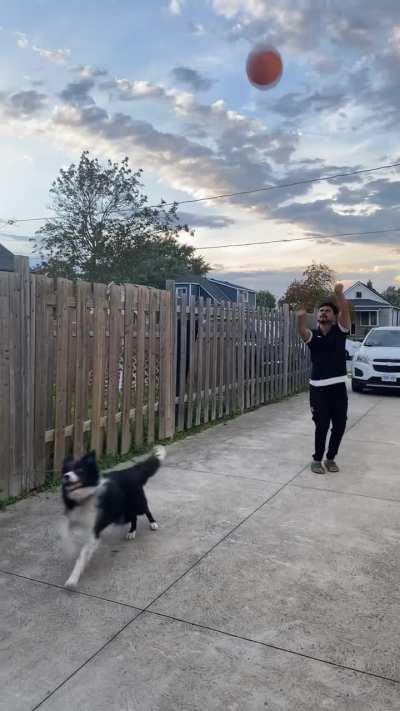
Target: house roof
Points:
(6, 259)
(234, 286)
(370, 289)
(209, 286)
(362, 304)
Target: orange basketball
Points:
(264, 67)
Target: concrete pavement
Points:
(266, 586)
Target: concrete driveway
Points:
(266, 587)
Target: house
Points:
(369, 309)
(215, 289)
(6, 260)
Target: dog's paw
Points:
(131, 536)
(71, 584)
(154, 526)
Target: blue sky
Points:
(164, 82)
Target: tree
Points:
(392, 295)
(104, 230)
(265, 299)
(317, 284)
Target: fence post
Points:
(21, 374)
(286, 336)
(170, 286)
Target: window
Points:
(181, 291)
(244, 297)
(353, 329)
(358, 294)
(368, 318)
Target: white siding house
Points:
(370, 309)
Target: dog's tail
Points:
(149, 466)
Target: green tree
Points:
(317, 284)
(265, 299)
(104, 230)
(392, 294)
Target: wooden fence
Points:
(86, 366)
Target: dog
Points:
(93, 503)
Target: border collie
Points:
(92, 503)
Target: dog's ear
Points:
(67, 464)
(90, 456)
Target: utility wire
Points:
(279, 186)
(303, 239)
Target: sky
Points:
(164, 82)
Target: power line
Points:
(279, 186)
(303, 239)
(315, 236)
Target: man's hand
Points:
(344, 318)
(304, 331)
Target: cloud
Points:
(126, 90)
(213, 222)
(192, 78)
(22, 40)
(76, 93)
(58, 56)
(88, 72)
(175, 7)
(23, 103)
(197, 29)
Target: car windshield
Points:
(388, 338)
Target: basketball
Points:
(264, 67)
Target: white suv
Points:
(377, 363)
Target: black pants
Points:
(328, 405)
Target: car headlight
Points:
(362, 358)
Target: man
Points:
(328, 389)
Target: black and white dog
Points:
(92, 503)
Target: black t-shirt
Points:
(328, 354)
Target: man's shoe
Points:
(317, 468)
(331, 465)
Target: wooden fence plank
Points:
(200, 345)
(114, 350)
(207, 362)
(167, 406)
(253, 359)
(83, 292)
(63, 291)
(191, 346)
(126, 438)
(221, 385)
(44, 288)
(183, 346)
(241, 359)
(154, 307)
(258, 354)
(214, 361)
(99, 349)
(228, 357)
(5, 324)
(234, 392)
(15, 484)
(142, 296)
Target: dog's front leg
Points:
(65, 535)
(83, 560)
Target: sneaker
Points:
(317, 468)
(331, 465)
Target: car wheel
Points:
(356, 387)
